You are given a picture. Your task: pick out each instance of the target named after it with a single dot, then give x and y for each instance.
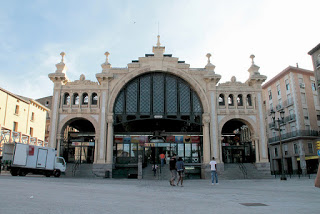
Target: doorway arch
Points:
(78, 143)
(236, 141)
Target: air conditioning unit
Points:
(302, 85)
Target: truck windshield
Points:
(60, 160)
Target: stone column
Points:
(110, 140)
(294, 164)
(303, 163)
(59, 139)
(102, 138)
(256, 143)
(206, 139)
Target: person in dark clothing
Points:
(180, 169)
(173, 170)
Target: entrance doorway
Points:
(236, 143)
(78, 145)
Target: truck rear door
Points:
(42, 158)
(20, 154)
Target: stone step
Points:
(83, 171)
(233, 172)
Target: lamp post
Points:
(278, 128)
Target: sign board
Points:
(318, 145)
(318, 152)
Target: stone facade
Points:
(204, 81)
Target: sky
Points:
(280, 33)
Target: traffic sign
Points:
(318, 152)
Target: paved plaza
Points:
(37, 194)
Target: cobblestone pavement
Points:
(38, 194)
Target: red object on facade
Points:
(31, 150)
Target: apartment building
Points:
(47, 102)
(294, 92)
(21, 119)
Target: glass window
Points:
(32, 116)
(85, 99)
(15, 126)
(270, 95)
(94, 99)
(318, 115)
(134, 150)
(296, 149)
(230, 100)
(249, 100)
(31, 132)
(303, 98)
(119, 150)
(17, 110)
(305, 114)
(313, 86)
(276, 152)
(171, 95)
(66, 99)
(287, 85)
(285, 149)
(145, 92)
(181, 150)
(239, 100)
(75, 99)
(310, 147)
(221, 100)
(131, 97)
(278, 90)
(184, 98)
(158, 93)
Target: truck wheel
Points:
(56, 173)
(22, 172)
(14, 172)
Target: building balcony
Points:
(295, 134)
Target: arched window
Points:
(239, 100)
(94, 99)
(85, 99)
(75, 99)
(249, 100)
(66, 99)
(230, 100)
(221, 100)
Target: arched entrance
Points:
(78, 143)
(237, 146)
(157, 113)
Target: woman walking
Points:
(180, 169)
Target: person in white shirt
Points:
(214, 175)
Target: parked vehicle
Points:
(24, 159)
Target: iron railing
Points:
(294, 134)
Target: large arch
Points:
(182, 74)
(77, 139)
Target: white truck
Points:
(24, 159)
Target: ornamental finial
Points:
(208, 55)
(107, 56)
(252, 57)
(62, 56)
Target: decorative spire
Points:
(62, 56)
(252, 57)
(209, 67)
(107, 57)
(254, 69)
(158, 42)
(106, 66)
(208, 55)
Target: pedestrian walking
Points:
(154, 169)
(214, 175)
(162, 157)
(173, 170)
(180, 170)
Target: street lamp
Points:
(278, 128)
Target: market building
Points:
(294, 93)
(158, 104)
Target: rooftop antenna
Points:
(158, 43)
